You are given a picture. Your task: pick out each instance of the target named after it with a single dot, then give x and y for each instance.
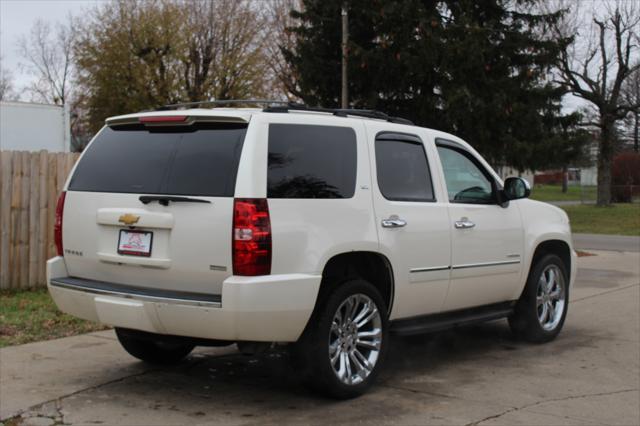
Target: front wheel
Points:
(342, 350)
(540, 313)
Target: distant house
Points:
(589, 175)
(585, 175)
(506, 172)
(33, 127)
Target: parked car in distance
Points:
(323, 230)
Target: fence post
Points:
(6, 173)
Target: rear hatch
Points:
(151, 205)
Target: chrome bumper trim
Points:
(137, 293)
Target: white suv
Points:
(325, 229)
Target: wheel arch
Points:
(553, 246)
(371, 266)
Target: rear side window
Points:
(201, 159)
(307, 161)
(402, 168)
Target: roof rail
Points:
(225, 102)
(340, 112)
(271, 105)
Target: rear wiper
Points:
(164, 199)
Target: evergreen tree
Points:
(477, 69)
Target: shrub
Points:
(625, 177)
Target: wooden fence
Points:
(29, 186)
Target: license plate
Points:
(135, 243)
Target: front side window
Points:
(308, 161)
(402, 168)
(466, 182)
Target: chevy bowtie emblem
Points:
(129, 219)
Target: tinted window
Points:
(311, 161)
(466, 181)
(403, 171)
(201, 159)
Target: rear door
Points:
(119, 226)
(412, 222)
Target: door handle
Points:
(393, 222)
(464, 223)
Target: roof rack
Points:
(225, 102)
(340, 112)
(271, 105)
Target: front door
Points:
(487, 239)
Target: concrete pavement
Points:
(476, 375)
(606, 242)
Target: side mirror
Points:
(516, 188)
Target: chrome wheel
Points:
(355, 339)
(551, 297)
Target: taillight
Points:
(251, 237)
(57, 226)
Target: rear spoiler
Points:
(173, 120)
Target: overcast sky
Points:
(18, 16)
(16, 19)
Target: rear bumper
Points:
(273, 308)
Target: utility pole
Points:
(633, 96)
(345, 40)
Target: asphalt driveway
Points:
(475, 375)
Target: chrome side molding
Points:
(430, 269)
(465, 266)
(484, 264)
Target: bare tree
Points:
(283, 82)
(631, 93)
(594, 66)
(48, 56)
(225, 53)
(202, 48)
(6, 84)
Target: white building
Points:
(589, 175)
(506, 172)
(33, 127)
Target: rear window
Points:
(201, 159)
(307, 161)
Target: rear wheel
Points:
(153, 348)
(342, 350)
(540, 313)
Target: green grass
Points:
(618, 219)
(554, 193)
(29, 316)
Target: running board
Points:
(445, 320)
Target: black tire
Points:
(525, 322)
(153, 348)
(311, 354)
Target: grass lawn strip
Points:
(29, 316)
(617, 219)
